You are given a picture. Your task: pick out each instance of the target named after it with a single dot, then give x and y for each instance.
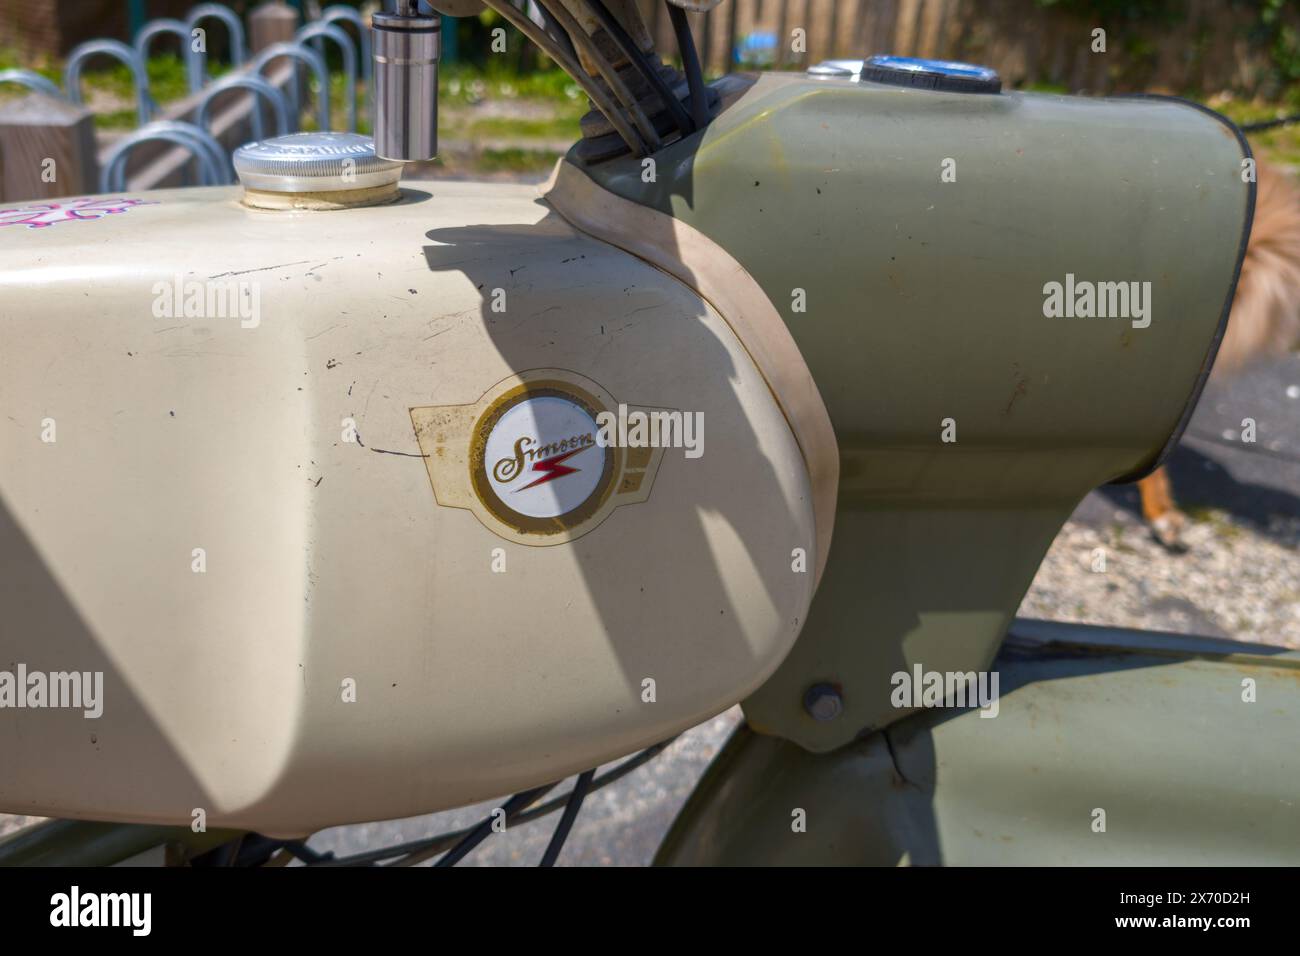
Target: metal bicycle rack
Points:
(211, 162)
(207, 152)
(225, 169)
(314, 62)
(234, 30)
(193, 59)
(258, 86)
(319, 30)
(352, 15)
(72, 73)
(33, 81)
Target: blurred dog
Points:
(1264, 320)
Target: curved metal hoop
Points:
(256, 85)
(76, 59)
(193, 59)
(205, 149)
(33, 81)
(234, 28)
(315, 63)
(320, 30)
(353, 16)
(221, 161)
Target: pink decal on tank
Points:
(38, 215)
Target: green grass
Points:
(11, 60)
(126, 119)
(462, 83)
(1281, 145)
(462, 89)
(1054, 88)
(516, 160)
(510, 127)
(1217, 518)
(166, 75)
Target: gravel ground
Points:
(1236, 582)
(1240, 577)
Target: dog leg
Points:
(1160, 512)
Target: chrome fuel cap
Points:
(947, 76)
(315, 170)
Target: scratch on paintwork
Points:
(178, 353)
(366, 408)
(322, 332)
(600, 352)
(385, 451)
(451, 320)
(901, 778)
(456, 262)
(244, 272)
(403, 454)
(1021, 389)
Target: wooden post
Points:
(269, 23)
(782, 41)
(731, 34)
(705, 38)
(47, 149)
(654, 26)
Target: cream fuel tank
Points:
(368, 500)
(324, 495)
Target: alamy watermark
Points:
(660, 428)
(922, 688)
(75, 908)
(210, 299)
(78, 690)
(1083, 299)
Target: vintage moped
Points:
(334, 479)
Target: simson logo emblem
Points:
(507, 468)
(528, 458)
(536, 443)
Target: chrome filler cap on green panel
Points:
(946, 76)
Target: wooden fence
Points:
(1205, 45)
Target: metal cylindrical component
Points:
(315, 171)
(406, 86)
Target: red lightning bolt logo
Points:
(552, 468)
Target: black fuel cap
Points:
(945, 75)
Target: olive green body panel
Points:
(908, 237)
(1151, 729)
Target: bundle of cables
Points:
(254, 849)
(642, 103)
